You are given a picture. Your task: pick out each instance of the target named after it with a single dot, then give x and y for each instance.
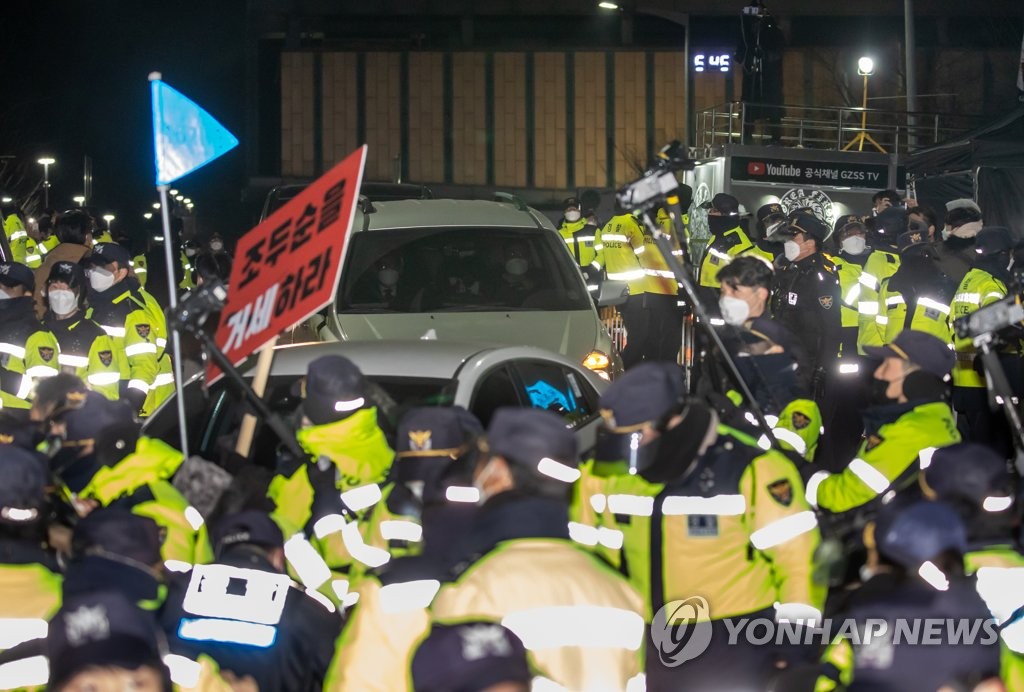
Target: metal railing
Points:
(825, 127)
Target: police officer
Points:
(279, 634)
(103, 460)
(661, 335)
(37, 248)
(910, 418)
(323, 498)
(189, 250)
(25, 355)
(983, 285)
(769, 357)
(976, 482)
(130, 317)
(475, 655)
(429, 441)
(102, 640)
(113, 549)
(914, 577)
(918, 295)
(622, 241)
(29, 574)
(805, 297)
(83, 347)
(770, 218)
(883, 263)
(433, 474)
(74, 231)
(704, 511)
(14, 228)
(727, 242)
(581, 622)
(963, 223)
(579, 236)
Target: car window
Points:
(558, 389)
(496, 389)
(416, 270)
(213, 431)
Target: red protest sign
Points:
(288, 267)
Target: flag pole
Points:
(172, 297)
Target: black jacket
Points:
(806, 300)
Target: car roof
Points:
(450, 213)
(425, 359)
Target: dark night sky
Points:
(75, 83)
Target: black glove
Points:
(135, 398)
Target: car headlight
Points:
(599, 362)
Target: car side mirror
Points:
(612, 293)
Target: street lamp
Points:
(6, 200)
(156, 205)
(148, 215)
(865, 68)
(109, 218)
(172, 192)
(46, 162)
(608, 5)
(186, 201)
(179, 197)
(78, 199)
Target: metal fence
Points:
(825, 127)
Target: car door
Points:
(562, 390)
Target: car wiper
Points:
(368, 311)
(480, 308)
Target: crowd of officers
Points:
(449, 556)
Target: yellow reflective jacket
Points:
(721, 250)
(743, 538)
(999, 571)
(580, 621)
(621, 240)
(17, 237)
(978, 289)
(142, 482)
(880, 266)
(580, 240)
(889, 453)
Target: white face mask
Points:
(481, 479)
(735, 311)
(100, 279)
(854, 245)
(516, 266)
(388, 277)
(791, 249)
(572, 216)
(62, 301)
(945, 232)
(216, 246)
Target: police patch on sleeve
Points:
(825, 302)
(46, 353)
(782, 491)
(142, 330)
(106, 357)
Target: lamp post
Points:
(46, 162)
(109, 218)
(865, 67)
(78, 199)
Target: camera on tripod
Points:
(996, 317)
(657, 181)
(196, 307)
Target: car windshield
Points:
(421, 270)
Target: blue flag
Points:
(185, 136)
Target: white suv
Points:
(467, 270)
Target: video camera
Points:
(196, 307)
(992, 318)
(657, 181)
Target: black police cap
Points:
(571, 202)
(469, 656)
(993, 240)
(23, 482)
(108, 253)
(118, 533)
(644, 394)
(434, 431)
(66, 272)
(536, 439)
(911, 535)
(770, 212)
(17, 274)
(335, 389)
(846, 223)
(727, 205)
(928, 352)
(250, 527)
(915, 237)
(101, 629)
(972, 472)
(808, 224)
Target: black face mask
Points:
(921, 385)
(721, 224)
(878, 395)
